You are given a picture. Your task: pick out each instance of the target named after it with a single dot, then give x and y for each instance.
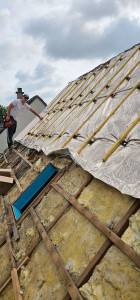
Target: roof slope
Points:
(61, 246)
(96, 119)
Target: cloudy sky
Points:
(44, 44)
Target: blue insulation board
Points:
(33, 190)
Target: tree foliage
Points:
(3, 110)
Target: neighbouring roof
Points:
(33, 98)
(95, 119)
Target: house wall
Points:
(23, 121)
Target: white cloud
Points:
(44, 44)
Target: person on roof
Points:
(15, 108)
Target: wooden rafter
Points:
(27, 161)
(12, 220)
(72, 289)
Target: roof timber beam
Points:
(12, 220)
(99, 225)
(9, 278)
(5, 158)
(119, 230)
(17, 182)
(27, 161)
(72, 289)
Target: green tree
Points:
(3, 110)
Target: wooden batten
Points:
(6, 172)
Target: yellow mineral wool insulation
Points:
(39, 279)
(107, 203)
(116, 277)
(5, 266)
(132, 234)
(73, 179)
(28, 236)
(77, 241)
(52, 203)
(60, 162)
(42, 162)
(8, 293)
(49, 207)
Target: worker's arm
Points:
(35, 113)
(8, 111)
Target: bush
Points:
(3, 110)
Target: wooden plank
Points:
(14, 274)
(17, 182)
(99, 225)
(12, 219)
(5, 158)
(72, 289)
(27, 161)
(5, 179)
(16, 285)
(5, 172)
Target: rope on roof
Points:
(119, 141)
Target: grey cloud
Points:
(126, 3)
(41, 71)
(92, 9)
(74, 42)
(42, 77)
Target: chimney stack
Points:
(19, 93)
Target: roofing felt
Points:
(95, 119)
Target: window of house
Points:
(33, 190)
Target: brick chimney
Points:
(19, 93)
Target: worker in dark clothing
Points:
(14, 110)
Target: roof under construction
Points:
(96, 120)
(69, 207)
